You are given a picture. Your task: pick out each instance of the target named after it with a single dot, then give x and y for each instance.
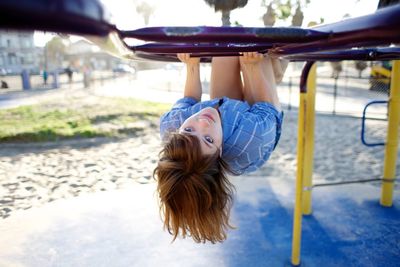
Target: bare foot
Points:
(251, 58)
(185, 58)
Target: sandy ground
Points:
(37, 173)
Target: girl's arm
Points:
(260, 79)
(193, 84)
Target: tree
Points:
(336, 69)
(269, 17)
(226, 6)
(278, 9)
(360, 66)
(54, 52)
(146, 10)
(297, 19)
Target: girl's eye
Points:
(209, 139)
(188, 129)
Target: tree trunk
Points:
(269, 17)
(226, 18)
(298, 17)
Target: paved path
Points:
(166, 86)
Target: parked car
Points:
(123, 68)
(4, 71)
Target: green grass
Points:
(56, 121)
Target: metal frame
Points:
(363, 119)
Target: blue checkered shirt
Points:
(250, 133)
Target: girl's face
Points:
(206, 126)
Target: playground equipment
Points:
(380, 76)
(364, 118)
(352, 39)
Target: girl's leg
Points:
(225, 78)
(247, 94)
(259, 79)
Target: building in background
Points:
(18, 52)
(83, 53)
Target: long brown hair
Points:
(195, 193)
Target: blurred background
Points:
(35, 60)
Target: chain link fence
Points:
(344, 93)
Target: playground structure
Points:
(352, 39)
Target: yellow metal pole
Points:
(309, 141)
(299, 181)
(392, 139)
(301, 148)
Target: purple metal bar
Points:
(225, 34)
(81, 17)
(157, 57)
(388, 53)
(209, 48)
(304, 76)
(379, 29)
(173, 58)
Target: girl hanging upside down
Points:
(233, 133)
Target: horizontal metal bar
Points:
(207, 48)
(80, 17)
(378, 29)
(385, 180)
(371, 54)
(225, 34)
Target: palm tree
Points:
(226, 6)
(146, 10)
(297, 19)
(282, 10)
(55, 50)
(269, 17)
